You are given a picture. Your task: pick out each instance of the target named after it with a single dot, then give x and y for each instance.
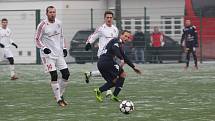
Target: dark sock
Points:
(188, 59)
(195, 58)
(119, 85)
(106, 86)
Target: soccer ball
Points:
(126, 106)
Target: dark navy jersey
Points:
(190, 36)
(113, 49)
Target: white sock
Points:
(108, 92)
(63, 84)
(95, 73)
(12, 70)
(56, 90)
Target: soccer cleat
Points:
(115, 98)
(196, 67)
(64, 101)
(61, 103)
(87, 77)
(98, 95)
(14, 78)
(108, 93)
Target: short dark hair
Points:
(47, 9)
(108, 12)
(3, 19)
(123, 31)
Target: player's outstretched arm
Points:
(137, 70)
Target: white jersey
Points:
(6, 37)
(105, 34)
(50, 35)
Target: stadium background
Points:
(79, 15)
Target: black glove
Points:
(64, 52)
(88, 46)
(47, 51)
(14, 45)
(1, 45)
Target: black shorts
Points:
(109, 70)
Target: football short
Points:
(7, 53)
(51, 64)
(109, 70)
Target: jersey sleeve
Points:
(182, 37)
(11, 37)
(117, 51)
(63, 42)
(39, 34)
(92, 38)
(195, 36)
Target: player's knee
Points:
(54, 75)
(11, 61)
(65, 73)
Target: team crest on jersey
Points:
(116, 44)
(117, 67)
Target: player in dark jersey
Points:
(189, 41)
(111, 71)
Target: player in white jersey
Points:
(105, 33)
(5, 43)
(49, 38)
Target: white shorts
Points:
(51, 64)
(7, 53)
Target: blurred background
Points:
(81, 17)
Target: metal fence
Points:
(79, 23)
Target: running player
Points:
(105, 33)
(5, 43)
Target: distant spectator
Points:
(138, 43)
(156, 43)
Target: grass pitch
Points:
(165, 93)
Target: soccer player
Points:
(105, 33)
(49, 38)
(111, 71)
(5, 43)
(189, 41)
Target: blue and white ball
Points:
(126, 106)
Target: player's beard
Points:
(51, 19)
